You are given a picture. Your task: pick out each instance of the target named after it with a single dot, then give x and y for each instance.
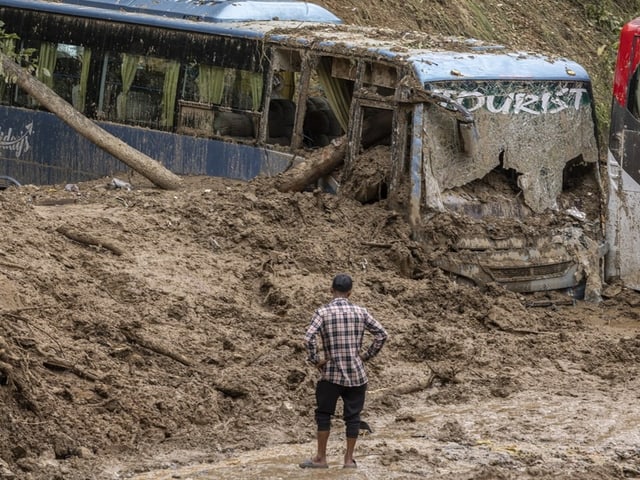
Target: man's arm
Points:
(379, 337)
(310, 339)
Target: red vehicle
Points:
(623, 164)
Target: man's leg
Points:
(321, 452)
(348, 455)
(327, 395)
(353, 398)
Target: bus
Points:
(623, 162)
(491, 154)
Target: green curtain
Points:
(85, 58)
(210, 84)
(337, 92)
(256, 82)
(46, 63)
(128, 71)
(169, 92)
(252, 84)
(288, 84)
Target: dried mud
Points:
(169, 345)
(175, 339)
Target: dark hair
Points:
(342, 283)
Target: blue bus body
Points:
(38, 148)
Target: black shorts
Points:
(327, 395)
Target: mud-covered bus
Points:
(490, 153)
(623, 213)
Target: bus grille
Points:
(506, 274)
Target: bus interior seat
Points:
(282, 114)
(233, 124)
(376, 128)
(320, 123)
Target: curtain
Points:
(169, 91)
(85, 58)
(288, 88)
(337, 92)
(128, 71)
(210, 84)
(46, 63)
(252, 84)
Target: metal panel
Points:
(36, 147)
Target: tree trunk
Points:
(320, 163)
(137, 160)
(324, 160)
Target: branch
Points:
(137, 339)
(87, 239)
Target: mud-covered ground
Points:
(151, 334)
(176, 340)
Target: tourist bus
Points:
(623, 227)
(491, 154)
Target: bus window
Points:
(334, 90)
(240, 104)
(66, 72)
(309, 104)
(217, 101)
(45, 56)
(139, 90)
(327, 104)
(287, 84)
(634, 95)
(71, 72)
(62, 67)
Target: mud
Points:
(184, 350)
(177, 353)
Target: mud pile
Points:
(147, 329)
(137, 324)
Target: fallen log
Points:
(154, 347)
(324, 160)
(405, 388)
(319, 163)
(141, 163)
(59, 364)
(87, 239)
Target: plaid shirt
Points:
(341, 325)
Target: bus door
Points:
(623, 222)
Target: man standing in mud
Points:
(341, 325)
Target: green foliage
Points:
(8, 42)
(600, 14)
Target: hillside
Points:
(173, 348)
